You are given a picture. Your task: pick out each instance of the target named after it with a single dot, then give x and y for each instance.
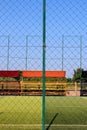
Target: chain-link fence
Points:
(43, 72)
(20, 52)
(66, 51)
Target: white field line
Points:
(84, 98)
(71, 106)
(69, 125)
(39, 125)
(21, 125)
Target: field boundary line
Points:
(21, 125)
(39, 125)
(72, 106)
(68, 125)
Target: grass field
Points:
(25, 113)
(20, 113)
(66, 113)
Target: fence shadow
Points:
(52, 121)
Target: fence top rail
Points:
(49, 74)
(9, 73)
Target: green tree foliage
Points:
(69, 80)
(77, 75)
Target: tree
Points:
(69, 80)
(77, 75)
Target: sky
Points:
(21, 27)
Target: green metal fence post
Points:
(8, 52)
(43, 67)
(26, 51)
(81, 63)
(62, 51)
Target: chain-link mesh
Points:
(66, 51)
(20, 52)
(32, 32)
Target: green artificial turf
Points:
(25, 113)
(20, 113)
(66, 113)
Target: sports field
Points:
(20, 113)
(66, 113)
(25, 113)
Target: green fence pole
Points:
(81, 63)
(26, 51)
(8, 52)
(62, 51)
(43, 67)
(81, 52)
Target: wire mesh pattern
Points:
(66, 51)
(40, 37)
(20, 50)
